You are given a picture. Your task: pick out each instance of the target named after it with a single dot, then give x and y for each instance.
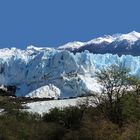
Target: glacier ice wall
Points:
(58, 73)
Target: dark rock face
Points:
(8, 91)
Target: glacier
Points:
(52, 73)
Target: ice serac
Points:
(48, 91)
(54, 73)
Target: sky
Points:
(51, 23)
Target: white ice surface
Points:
(44, 106)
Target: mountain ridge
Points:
(116, 44)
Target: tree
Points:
(115, 81)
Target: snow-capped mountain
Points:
(49, 72)
(72, 46)
(116, 44)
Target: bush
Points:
(69, 117)
(72, 117)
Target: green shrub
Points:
(69, 117)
